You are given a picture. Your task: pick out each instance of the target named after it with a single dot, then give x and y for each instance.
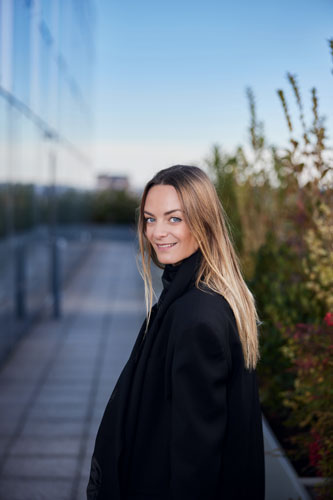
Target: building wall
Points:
(46, 71)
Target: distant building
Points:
(113, 182)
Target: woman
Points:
(184, 421)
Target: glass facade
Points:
(46, 70)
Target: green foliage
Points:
(310, 350)
(304, 161)
(292, 283)
(74, 206)
(222, 167)
(309, 347)
(282, 200)
(282, 300)
(24, 206)
(256, 128)
(318, 261)
(116, 207)
(280, 287)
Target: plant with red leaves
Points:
(310, 349)
(329, 319)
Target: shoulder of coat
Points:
(197, 306)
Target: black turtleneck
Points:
(168, 276)
(169, 273)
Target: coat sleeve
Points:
(199, 412)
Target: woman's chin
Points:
(168, 259)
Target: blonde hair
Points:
(220, 268)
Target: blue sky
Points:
(170, 77)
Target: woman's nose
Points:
(160, 230)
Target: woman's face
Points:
(166, 228)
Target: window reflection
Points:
(46, 51)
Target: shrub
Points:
(310, 350)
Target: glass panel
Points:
(45, 57)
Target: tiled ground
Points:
(55, 385)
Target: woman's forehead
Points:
(162, 198)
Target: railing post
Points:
(20, 281)
(55, 249)
(55, 277)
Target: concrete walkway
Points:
(56, 384)
(54, 387)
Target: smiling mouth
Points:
(165, 245)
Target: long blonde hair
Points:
(220, 268)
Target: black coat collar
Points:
(176, 279)
(181, 280)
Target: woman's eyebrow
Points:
(166, 213)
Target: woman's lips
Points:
(165, 246)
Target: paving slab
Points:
(46, 446)
(60, 467)
(35, 489)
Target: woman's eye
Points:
(175, 219)
(149, 219)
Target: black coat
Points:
(183, 421)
